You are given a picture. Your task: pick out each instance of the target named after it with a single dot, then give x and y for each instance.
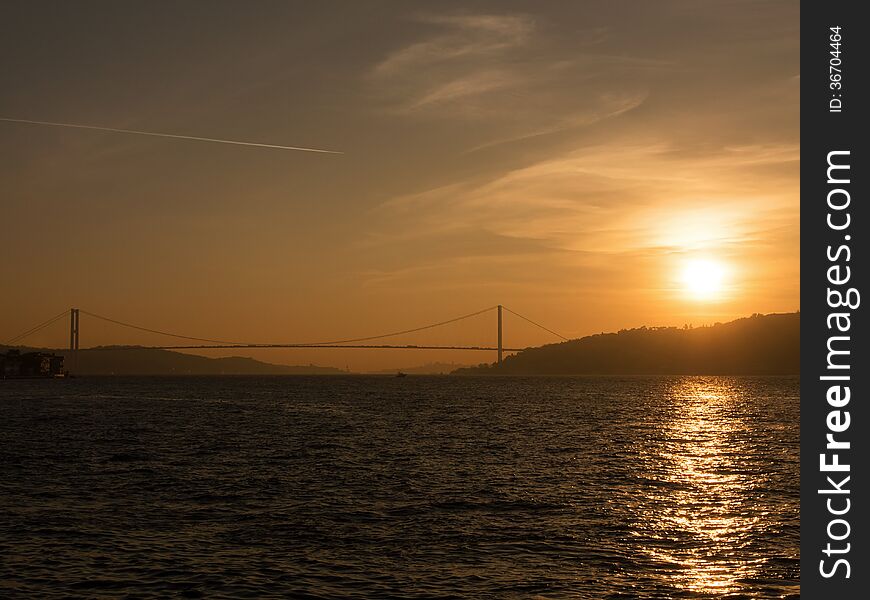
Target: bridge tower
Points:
(73, 329)
(499, 335)
(74, 335)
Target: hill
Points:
(126, 360)
(756, 345)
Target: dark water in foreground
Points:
(422, 487)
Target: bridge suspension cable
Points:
(36, 328)
(301, 344)
(558, 335)
(166, 333)
(414, 330)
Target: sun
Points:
(703, 279)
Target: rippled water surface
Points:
(421, 487)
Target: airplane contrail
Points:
(170, 135)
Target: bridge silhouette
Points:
(352, 343)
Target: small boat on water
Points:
(400, 374)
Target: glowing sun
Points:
(703, 279)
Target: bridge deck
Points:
(370, 346)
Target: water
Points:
(421, 487)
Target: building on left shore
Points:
(15, 365)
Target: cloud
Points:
(502, 68)
(609, 106)
(466, 86)
(605, 201)
(460, 38)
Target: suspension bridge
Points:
(367, 342)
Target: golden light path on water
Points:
(698, 523)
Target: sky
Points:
(592, 165)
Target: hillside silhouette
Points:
(756, 345)
(126, 360)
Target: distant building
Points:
(14, 365)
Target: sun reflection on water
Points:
(696, 520)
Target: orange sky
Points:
(566, 159)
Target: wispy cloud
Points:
(460, 38)
(610, 106)
(466, 86)
(613, 200)
(503, 70)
